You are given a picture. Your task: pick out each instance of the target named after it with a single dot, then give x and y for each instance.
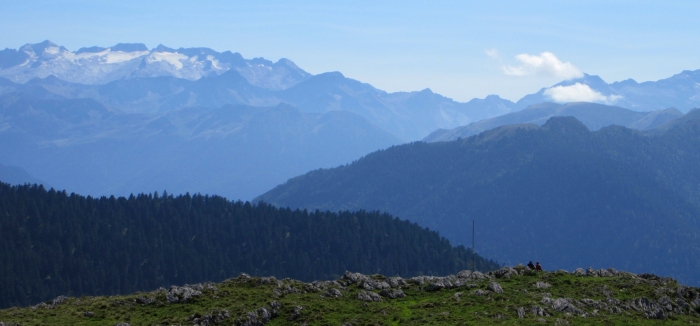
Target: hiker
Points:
(538, 267)
(530, 265)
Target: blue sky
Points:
(459, 49)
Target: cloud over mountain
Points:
(578, 93)
(546, 63)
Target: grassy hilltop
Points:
(510, 296)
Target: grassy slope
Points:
(457, 306)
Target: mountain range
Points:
(593, 115)
(122, 119)
(557, 193)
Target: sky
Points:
(460, 49)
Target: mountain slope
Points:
(53, 243)
(594, 116)
(558, 194)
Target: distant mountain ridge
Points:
(558, 193)
(594, 116)
(99, 65)
(681, 91)
(233, 151)
(407, 115)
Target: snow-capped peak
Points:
(98, 65)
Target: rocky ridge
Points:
(582, 296)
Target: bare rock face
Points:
(495, 287)
(521, 312)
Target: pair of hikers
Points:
(537, 267)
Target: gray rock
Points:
(89, 314)
(604, 273)
(392, 293)
(505, 272)
(275, 307)
(297, 313)
(666, 302)
(144, 301)
(58, 300)
(368, 296)
(332, 293)
(495, 287)
(287, 289)
(122, 323)
(579, 272)
(566, 305)
(371, 284)
(649, 308)
(182, 294)
(216, 316)
(594, 304)
(464, 274)
(254, 318)
(542, 285)
(479, 292)
(538, 311)
(476, 276)
(354, 277)
(436, 286)
(591, 272)
(396, 282)
(521, 312)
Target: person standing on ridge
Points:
(530, 265)
(538, 267)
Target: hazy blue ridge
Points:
(593, 115)
(559, 193)
(17, 176)
(233, 151)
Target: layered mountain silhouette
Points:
(105, 119)
(559, 193)
(234, 151)
(680, 91)
(594, 116)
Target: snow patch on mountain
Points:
(174, 59)
(97, 65)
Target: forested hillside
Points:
(559, 193)
(53, 243)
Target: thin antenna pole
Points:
(473, 252)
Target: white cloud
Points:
(544, 64)
(578, 93)
(492, 53)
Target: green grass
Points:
(241, 295)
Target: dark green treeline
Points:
(53, 243)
